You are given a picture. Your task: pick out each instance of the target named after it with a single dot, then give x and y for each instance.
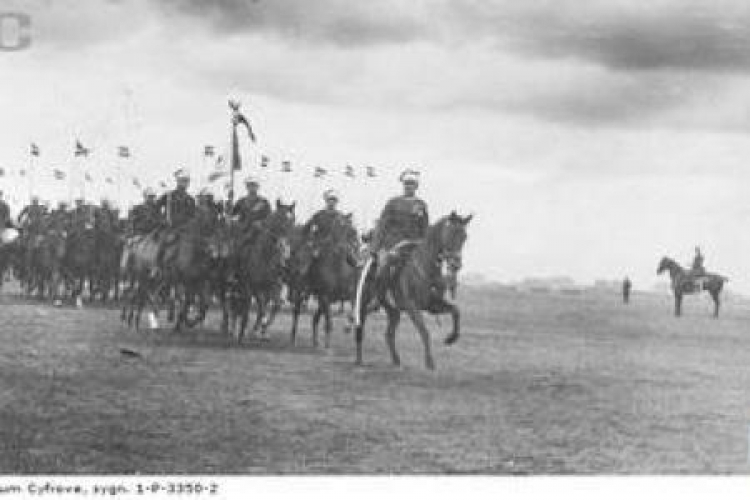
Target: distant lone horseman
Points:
(685, 281)
(698, 270)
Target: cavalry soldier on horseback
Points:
(61, 219)
(207, 211)
(30, 218)
(178, 205)
(179, 210)
(404, 219)
(144, 217)
(319, 227)
(251, 209)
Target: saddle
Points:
(393, 264)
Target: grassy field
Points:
(537, 384)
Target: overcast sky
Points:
(589, 138)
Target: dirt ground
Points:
(538, 384)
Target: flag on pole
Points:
(136, 182)
(349, 171)
(239, 119)
(22, 173)
(2, 172)
(265, 161)
(320, 172)
(58, 174)
(34, 149)
(123, 152)
(162, 184)
(208, 151)
(88, 177)
(109, 180)
(81, 150)
(286, 166)
(235, 159)
(370, 171)
(215, 176)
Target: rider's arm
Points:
(384, 222)
(425, 222)
(23, 213)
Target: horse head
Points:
(344, 236)
(452, 238)
(667, 264)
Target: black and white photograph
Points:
(345, 238)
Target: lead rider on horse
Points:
(179, 209)
(178, 205)
(405, 218)
(144, 217)
(251, 209)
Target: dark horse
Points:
(412, 288)
(684, 283)
(330, 276)
(261, 257)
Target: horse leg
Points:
(418, 319)
(327, 313)
(394, 317)
(316, 321)
(274, 304)
(442, 306)
(260, 308)
(245, 316)
(296, 308)
(222, 293)
(677, 304)
(717, 302)
(359, 334)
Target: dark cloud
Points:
(339, 22)
(624, 36)
(663, 34)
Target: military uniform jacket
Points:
(31, 215)
(403, 218)
(179, 205)
(321, 223)
(144, 217)
(251, 210)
